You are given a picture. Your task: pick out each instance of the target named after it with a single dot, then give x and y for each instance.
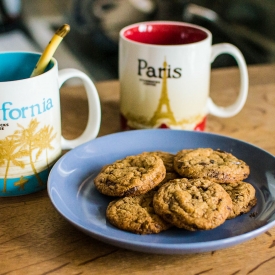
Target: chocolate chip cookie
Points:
(136, 214)
(131, 176)
(167, 158)
(217, 165)
(193, 204)
(168, 161)
(243, 196)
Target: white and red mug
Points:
(30, 121)
(164, 73)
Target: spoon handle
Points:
(50, 49)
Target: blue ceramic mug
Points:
(30, 121)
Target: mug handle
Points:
(94, 116)
(231, 110)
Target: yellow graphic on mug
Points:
(163, 110)
(25, 146)
(163, 115)
(21, 183)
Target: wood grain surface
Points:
(36, 239)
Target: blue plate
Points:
(72, 192)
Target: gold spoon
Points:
(50, 49)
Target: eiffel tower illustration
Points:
(163, 110)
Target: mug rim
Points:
(55, 63)
(165, 22)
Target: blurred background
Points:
(92, 44)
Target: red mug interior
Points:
(164, 34)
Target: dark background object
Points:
(10, 15)
(247, 24)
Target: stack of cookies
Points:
(195, 189)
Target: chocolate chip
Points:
(130, 191)
(109, 183)
(219, 150)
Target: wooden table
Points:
(35, 239)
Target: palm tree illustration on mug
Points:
(9, 154)
(26, 142)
